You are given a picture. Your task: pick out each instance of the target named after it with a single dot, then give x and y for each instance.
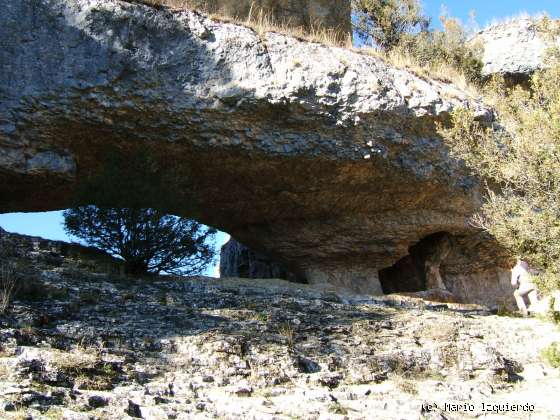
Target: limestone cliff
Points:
(326, 160)
(237, 260)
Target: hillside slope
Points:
(85, 344)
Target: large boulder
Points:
(326, 160)
(517, 48)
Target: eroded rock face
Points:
(325, 159)
(237, 260)
(516, 49)
(54, 253)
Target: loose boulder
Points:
(517, 48)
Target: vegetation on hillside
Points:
(520, 159)
(400, 30)
(519, 156)
(385, 23)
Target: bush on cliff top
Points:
(448, 47)
(385, 23)
(399, 29)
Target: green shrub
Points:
(551, 355)
(399, 27)
(384, 23)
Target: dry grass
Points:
(260, 21)
(337, 408)
(437, 71)
(75, 360)
(4, 371)
(407, 387)
(7, 285)
(286, 330)
(79, 358)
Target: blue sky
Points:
(487, 10)
(48, 225)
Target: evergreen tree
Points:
(146, 239)
(127, 214)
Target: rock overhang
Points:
(321, 157)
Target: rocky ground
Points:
(84, 344)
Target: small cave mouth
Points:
(406, 275)
(409, 273)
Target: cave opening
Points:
(409, 273)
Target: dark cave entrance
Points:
(409, 273)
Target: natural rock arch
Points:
(324, 159)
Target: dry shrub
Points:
(407, 387)
(551, 355)
(446, 51)
(7, 284)
(74, 361)
(286, 330)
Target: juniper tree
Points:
(131, 218)
(146, 239)
(385, 22)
